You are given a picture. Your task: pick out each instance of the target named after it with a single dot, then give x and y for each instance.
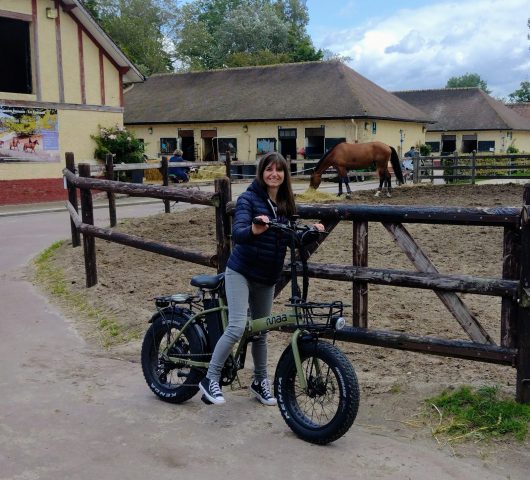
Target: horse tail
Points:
(394, 160)
(321, 161)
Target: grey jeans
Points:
(242, 294)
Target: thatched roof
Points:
(522, 108)
(298, 91)
(457, 109)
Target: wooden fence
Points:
(513, 287)
(470, 168)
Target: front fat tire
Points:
(328, 410)
(171, 383)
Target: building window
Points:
(286, 133)
(314, 139)
(168, 146)
(486, 146)
(435, 146)
(374, 128)
(223, 145)
(16, 56)
(265, 145)
(329, 143)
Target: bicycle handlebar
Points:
(292, 227)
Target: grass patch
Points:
(477, 414)
(106, 329)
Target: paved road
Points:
(68, 412)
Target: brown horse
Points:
(30, 145)
(13, 145)
(353, 156)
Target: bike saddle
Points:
(208, 282)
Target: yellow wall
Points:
(76, 122)
(353, 130)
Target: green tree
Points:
(468, 80)
(521, 94)
(137, 27)
(225, 33)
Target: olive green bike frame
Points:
(253, 327)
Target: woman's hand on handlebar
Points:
(319, 227)
(260, 224)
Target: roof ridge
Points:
(247, 67)
(435, 89)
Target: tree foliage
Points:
(521, 94)
(226, 33)
(136, 26)
(468, 80)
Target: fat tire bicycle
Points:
(315, 384)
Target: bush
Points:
(425, 150)
(122, 144)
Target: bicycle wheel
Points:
(170, 381)
(327, 408)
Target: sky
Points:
(420, 44)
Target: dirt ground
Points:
(393, 383)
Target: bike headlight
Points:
(339, 323)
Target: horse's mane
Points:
(325, 156)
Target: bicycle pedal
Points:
(205, 400)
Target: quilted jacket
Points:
(258, 257)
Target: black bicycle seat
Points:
(208, 282)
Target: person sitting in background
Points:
(178, 174)
(408, 163)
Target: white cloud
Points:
(423, 48)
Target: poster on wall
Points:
(28, 134)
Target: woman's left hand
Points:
(319, 227)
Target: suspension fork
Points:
(298, 361)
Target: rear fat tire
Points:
(171, 383)
(327, 411)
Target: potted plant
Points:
(124, 146)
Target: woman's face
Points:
(272, 176)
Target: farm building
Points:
(62, 77)
(299, 109)
(469, 119)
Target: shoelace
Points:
(215, 389)
(266, 389)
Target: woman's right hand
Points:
(257, 228)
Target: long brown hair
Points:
(285, 196)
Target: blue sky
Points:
(418, 44)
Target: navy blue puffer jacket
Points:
(258, 257)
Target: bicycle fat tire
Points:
(170, 382)
(327, 409)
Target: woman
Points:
(254, 267)
(177, 174)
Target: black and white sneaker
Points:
(262, 391)
(212, 391)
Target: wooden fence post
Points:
(89, 242)
(510, 271)
(416, 167)
(72, 198)
(522, 392)
(222, 222)
(165, 181)
(473, 166)
(360, 289)
(109, 175)
(228, 165)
